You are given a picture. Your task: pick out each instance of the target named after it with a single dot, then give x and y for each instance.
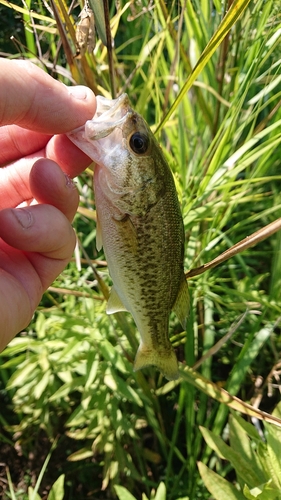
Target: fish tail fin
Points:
(164, 359)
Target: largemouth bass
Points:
(139, 225)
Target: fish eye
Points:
(139, 143)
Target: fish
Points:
(139, 226)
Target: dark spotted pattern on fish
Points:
(140, 226)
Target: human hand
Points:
(37, 198)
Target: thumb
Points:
(34, 100)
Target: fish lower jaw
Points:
(164, 359)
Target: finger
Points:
(14, 183)
(14, 179)
(34, 100)
(48, 241)
(38, 228)
(49, 185)
(71, 159)
(17, 142)
(15, 314)
(25, 276)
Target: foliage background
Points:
(69, 377)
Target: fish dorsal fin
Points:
(182, 303)
(98, 234)
(114, 303)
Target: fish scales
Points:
(149, 278)
(139, 225)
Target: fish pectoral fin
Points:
(98, 234)
(164, 358)
(182, 303)
(114, 303)
(126, 225)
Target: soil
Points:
(82, 479)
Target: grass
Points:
(209, 86)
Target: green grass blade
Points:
(235, 11)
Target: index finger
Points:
(34, 100)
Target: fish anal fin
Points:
(114, 303)
(182, 303)
(164, 359)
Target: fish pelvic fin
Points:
(164, 359)
(114, 303)
(182, 303)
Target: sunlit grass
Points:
(212, 92)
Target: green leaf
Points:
(161, 492)
(262, 492)
(217, 486)
(249, 428)
(97, 7)
(123, 389)
(80, 455)
(241, 443)
(277, 411)
(123, 493)
(57, 490)
(42, 384)
(32, 495)
(67, 388)
(274, 451)
(242, 467)
(265, 461)
(111, 354)
(92, 369)
(23, 373)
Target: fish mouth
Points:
(110, 108)
(110, 114)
